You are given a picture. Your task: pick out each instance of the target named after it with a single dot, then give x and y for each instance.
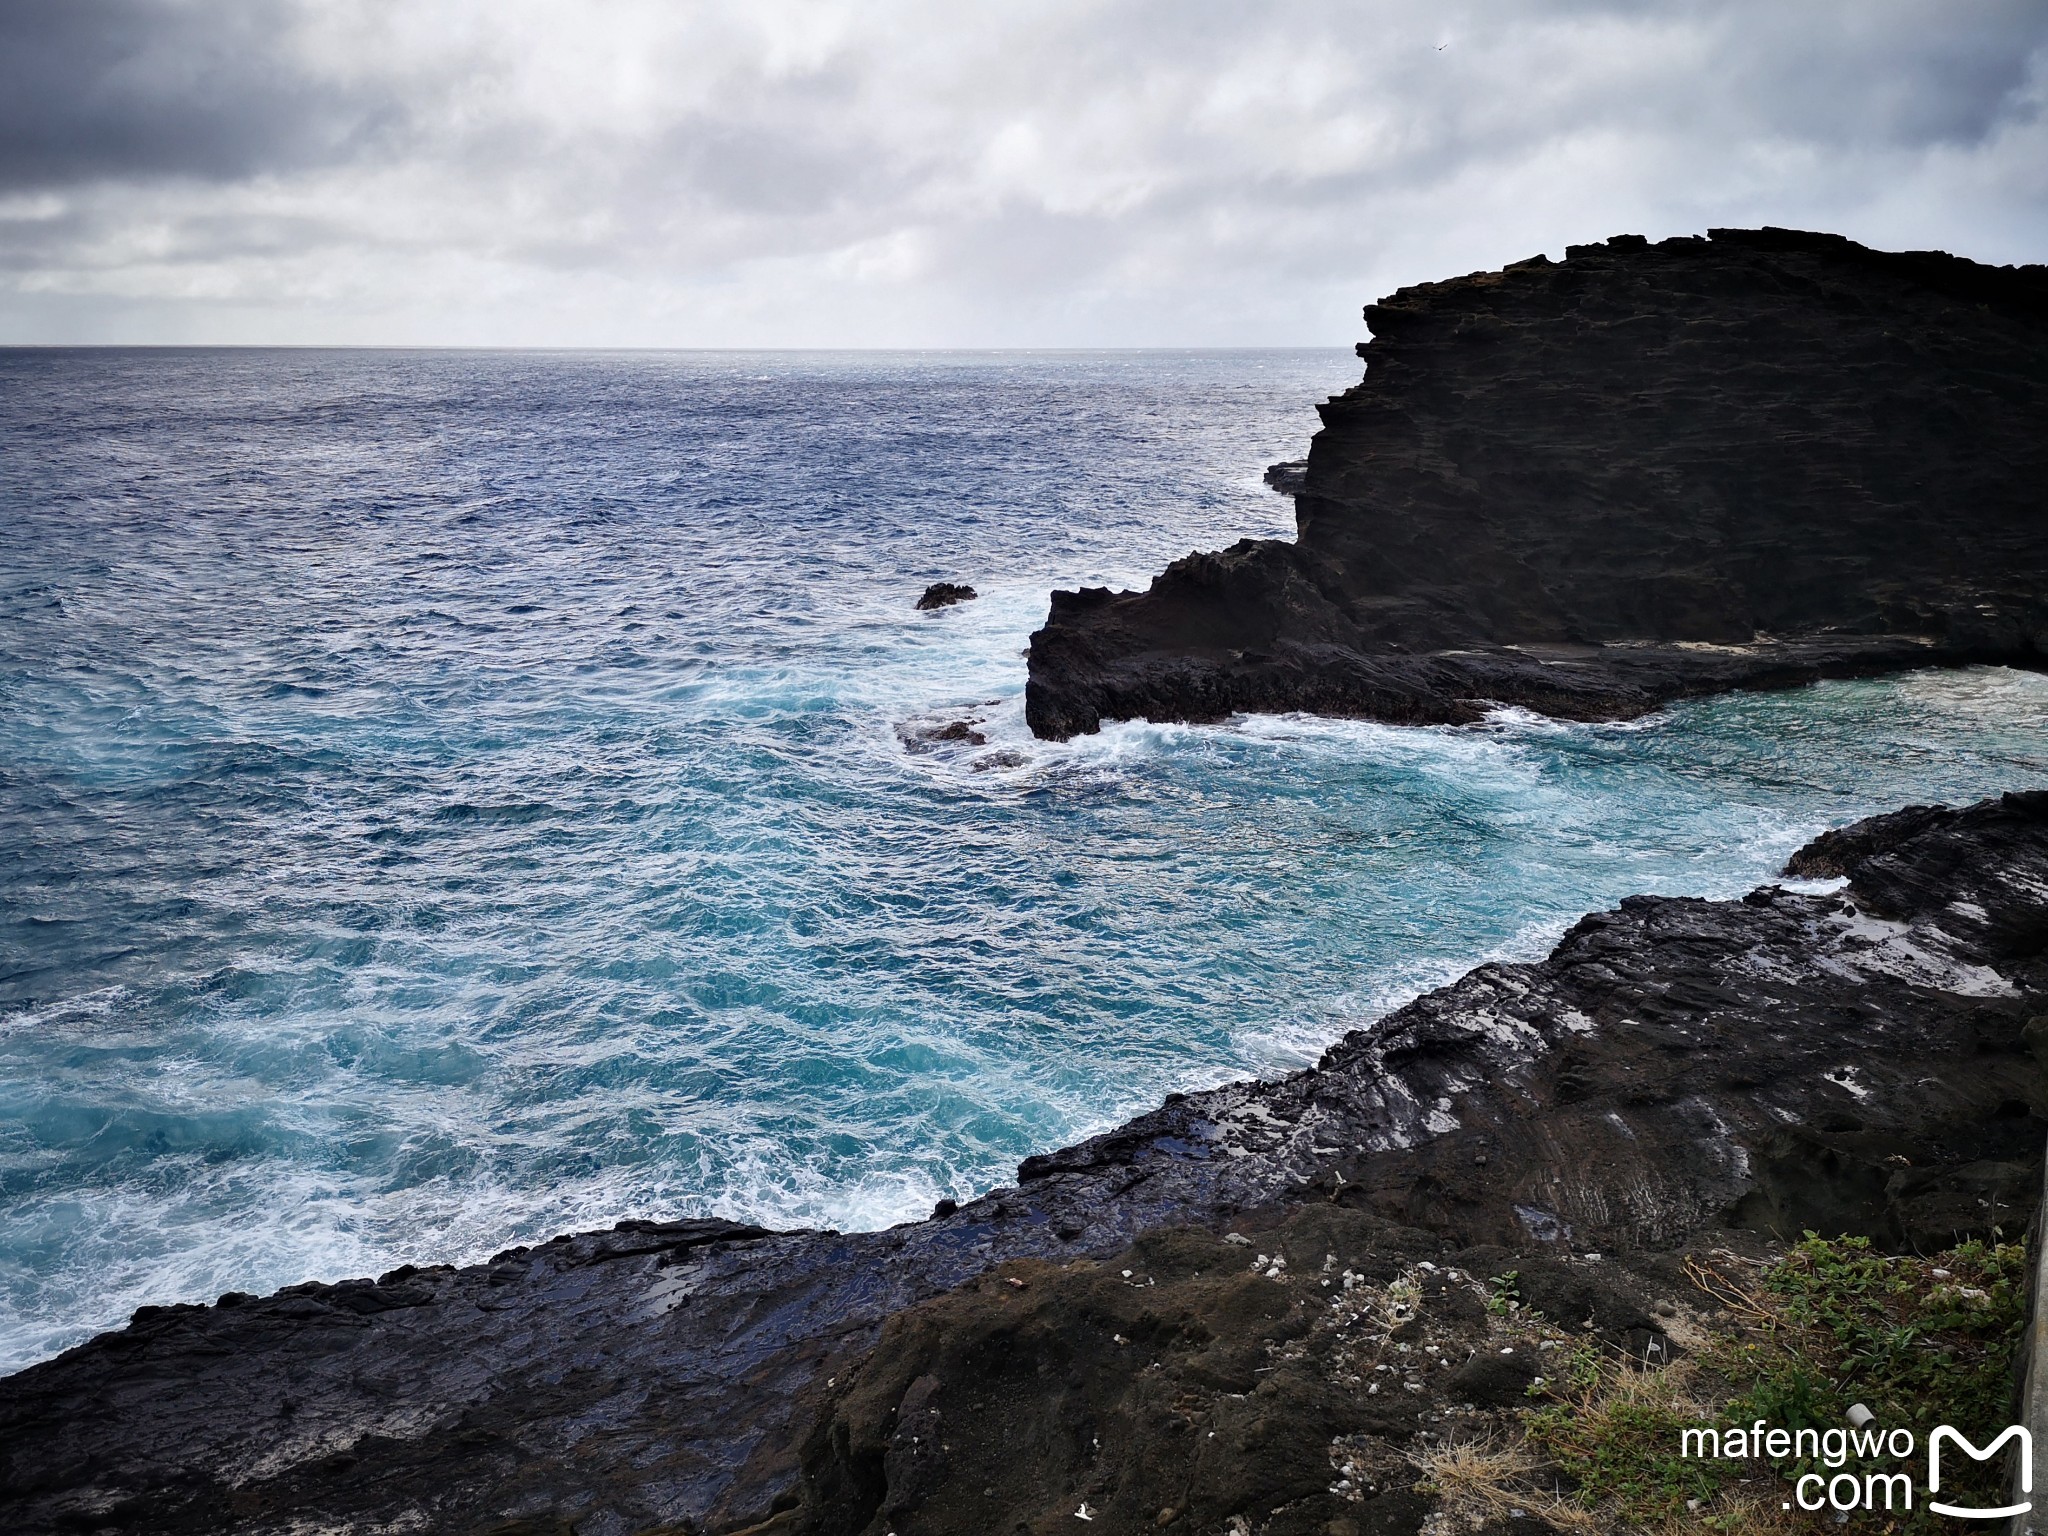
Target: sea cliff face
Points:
(1141, 1327)
(1591, 486)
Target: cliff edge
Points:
(1589, 487)
(1147, 1325)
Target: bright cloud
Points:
(904, 172)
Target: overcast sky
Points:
(953, 173)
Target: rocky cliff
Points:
(1152, 1325)
(1591, 486)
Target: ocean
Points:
(453, 798)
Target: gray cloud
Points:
(134, 89)
(1889, 72)
(916, 172)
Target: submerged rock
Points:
(1676, 1072)
(1592, 486)
(922, 738)
(943, 594)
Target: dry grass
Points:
(1485, 1479)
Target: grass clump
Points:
(1492, 1479)
(1619, 1443)
(1794, 1342)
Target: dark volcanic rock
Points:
(1856, 1061)
(1591, 486)
(1289, 478)
(943, 594)
(921, 738)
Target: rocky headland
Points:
(1588, 487)
(1162, 1327)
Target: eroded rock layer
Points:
(1675, 1072)
(1591, 486)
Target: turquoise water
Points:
(450, 799)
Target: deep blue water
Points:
(449, 799)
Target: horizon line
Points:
(357, 346)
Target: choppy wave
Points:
(454, 799)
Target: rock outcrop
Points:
(1288, 478)
(1120, 1330)
(944, 594)
(1592, 486)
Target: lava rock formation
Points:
(1676, 1072)
(1592, 486)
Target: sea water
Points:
(448, 799)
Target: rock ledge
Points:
(1590, 487)
(1676, 1072)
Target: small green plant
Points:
(1504, 1293)
(1581, 1366)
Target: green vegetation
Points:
(1621, 1449)
(1504, 1293)
(1919, 1341)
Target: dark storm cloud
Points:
(130, 89)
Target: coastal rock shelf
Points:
(1590, 487)
(1135, 1327)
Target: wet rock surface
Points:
(923, 738)
(943, 594)
(1676, 1072)
(1589, 487)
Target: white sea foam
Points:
(449, 840)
